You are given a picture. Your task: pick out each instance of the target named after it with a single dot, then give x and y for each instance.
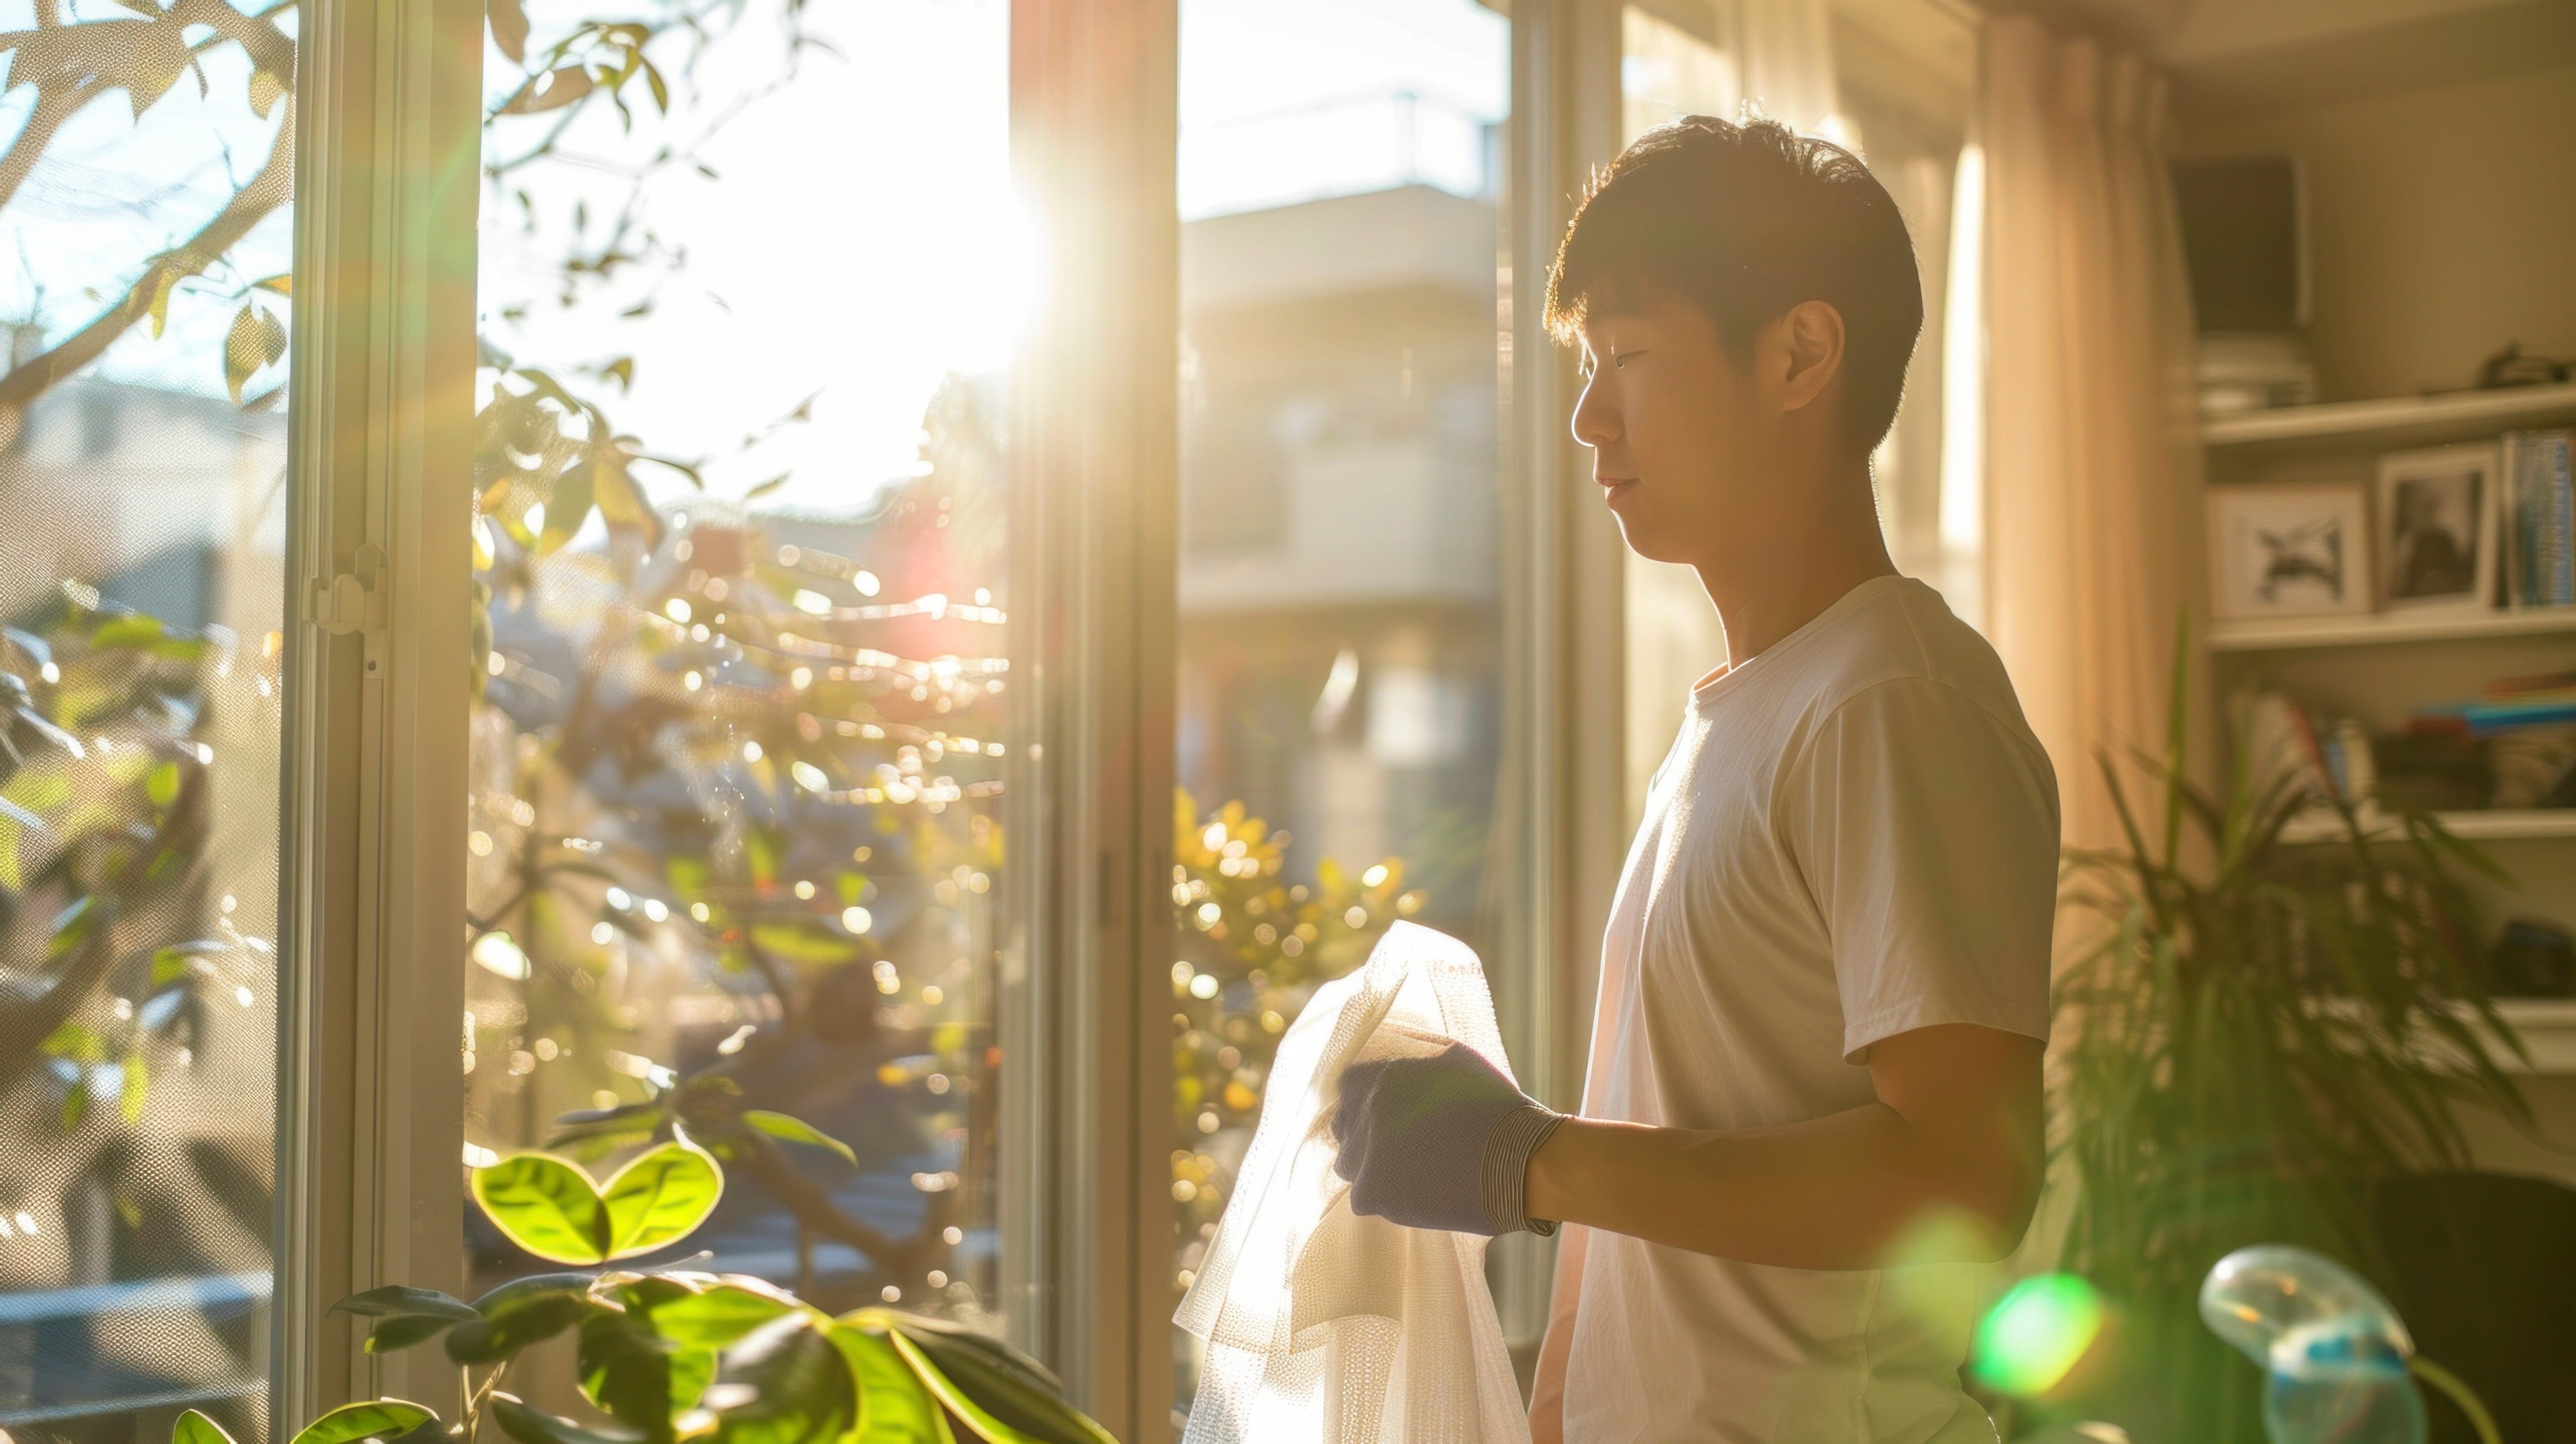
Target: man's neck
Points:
(1795, 570)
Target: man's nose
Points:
(1596, 422)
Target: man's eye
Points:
(1622, 358)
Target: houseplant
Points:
(670, 1353)
(2254, 1033)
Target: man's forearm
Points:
(1836, 1192)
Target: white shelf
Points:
(2547, 1027)
(2371, 628)
(2396, 419)
(2499, 825)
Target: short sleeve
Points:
(1925, 826)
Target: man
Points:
(1814, 1089)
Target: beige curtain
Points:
(2091, 460)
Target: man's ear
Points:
(1811, 335)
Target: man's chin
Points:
(1643, 536)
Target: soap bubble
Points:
(2333, 1352)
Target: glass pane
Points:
(1341, 694)
(143, 197)
(1892, 80)
(737, 810)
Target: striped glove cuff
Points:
(1506, 1168)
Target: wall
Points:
(2442, 222)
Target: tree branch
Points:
(818, 1216)
(54, 105)
(267, 191)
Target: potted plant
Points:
(2255, 1033)
(671, 1352)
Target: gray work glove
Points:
(1439, 1142)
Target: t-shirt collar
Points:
(1717, 683)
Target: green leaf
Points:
(660, 1198)
(893, 1406)
(546, 1206)
(256, 339)
(536, 1426)
(176, 961)
(945, 1390)
(509, 20)
(554, 90)
(405, 1301)
(391, 1336)
(797, 1130)
(405, 1316)
(366, 1419)
(800, 1389)
(1014, 1390)
(195, 1428)
(138, 1088)
(638, 1377)
(161, 784)
(165, 279)
(566, 509)
(721, 1316)
(519, 1313)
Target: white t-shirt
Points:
(1855, 835)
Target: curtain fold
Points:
(2091, 459)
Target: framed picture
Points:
(2289, 551)
(2438, 528)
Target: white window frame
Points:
(371, 1105)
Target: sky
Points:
(858, 240)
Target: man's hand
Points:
(1438, 1142)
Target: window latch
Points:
(350, 601)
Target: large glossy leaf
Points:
(894, 1408)
(366, 1419)
(784, 1384)
(660, 1198)
(1013, 1392)
(398, 1300)
(546, 1206)
(636, 1376)
(196, 1428)
(984, 1422)
(531, 1425)
(520, 1313)
(719, 1317)
(396, 1334)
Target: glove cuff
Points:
(1506, 1168)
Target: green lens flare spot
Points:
(2035, 1334)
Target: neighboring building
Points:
(1340, 510)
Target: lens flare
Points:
(2036, 1334)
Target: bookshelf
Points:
(2547, 1027)
(2379, 667)
(2399, 422)
(2380, 628)
(2499, 825)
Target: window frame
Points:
(371, 1096)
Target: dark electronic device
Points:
(2532, 960)
(2244, 229)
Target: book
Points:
(2541, 503)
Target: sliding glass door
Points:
(1342, 707)
(751, 281)
(144, 203)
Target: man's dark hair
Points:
(1745, 222)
